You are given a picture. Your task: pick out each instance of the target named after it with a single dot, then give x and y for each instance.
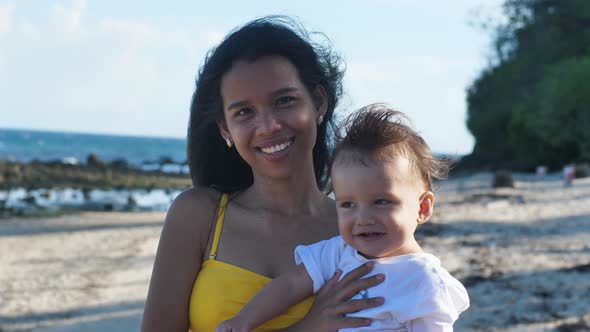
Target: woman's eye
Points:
(285, 100)
(243, 111)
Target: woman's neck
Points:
(296, 195)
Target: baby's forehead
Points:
(354, 157)
(405, 168)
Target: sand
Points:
(523, 253)
(86, 272)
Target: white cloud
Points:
(69, 17)
(97, 74)
(27, 29)
(138, 31)
(429, 88)
(6, 12)
(397, 67)
(213, 37)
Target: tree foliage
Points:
(532, 106)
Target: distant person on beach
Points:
(569, 173)
(382, 174)
(258, 149)
(540, 172)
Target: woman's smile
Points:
(276, 152)
(276, 147)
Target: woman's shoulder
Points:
(196, 198)
(193, 210)
(178, 259)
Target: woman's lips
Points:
(278, 151)
(275, 148)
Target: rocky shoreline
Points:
(38, 188)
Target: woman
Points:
(258, 151)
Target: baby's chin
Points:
(413, 248)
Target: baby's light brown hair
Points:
(377, 132)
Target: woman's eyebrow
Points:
(284, 90)
(237, 104)
(242, 103)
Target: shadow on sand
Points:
(113, 317)
(53, 229)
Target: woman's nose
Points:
(268, 123)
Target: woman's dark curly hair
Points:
(211, 163)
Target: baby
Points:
(382, 173)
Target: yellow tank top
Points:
(222, 289)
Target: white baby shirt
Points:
(419, 294)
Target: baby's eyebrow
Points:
(387, 196)
(342, 198)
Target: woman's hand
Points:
(332, 303)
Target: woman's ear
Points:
(320, 99)
(426, 207)
(224, 132)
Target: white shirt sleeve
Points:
(320, 259)
(439, 310)
(430, 324)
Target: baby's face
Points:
(378, 206)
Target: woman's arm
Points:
(178, 260)
(279, 295)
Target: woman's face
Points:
(270, 116)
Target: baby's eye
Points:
(382, 201)
(346, 205)
(285, 100)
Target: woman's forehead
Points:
(265, 74)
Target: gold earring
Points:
(228, 142)
(320, 119)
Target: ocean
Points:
(26, 145)
(144, 152)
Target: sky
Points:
(129, 67)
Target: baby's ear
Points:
(426, 207)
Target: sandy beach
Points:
(86, 272)
(523, 253)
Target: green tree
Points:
(554, 122)
(529, 106)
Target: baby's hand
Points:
(232, 325)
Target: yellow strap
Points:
(218, 226)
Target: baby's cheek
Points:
(345, 228)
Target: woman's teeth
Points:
(276, 148)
